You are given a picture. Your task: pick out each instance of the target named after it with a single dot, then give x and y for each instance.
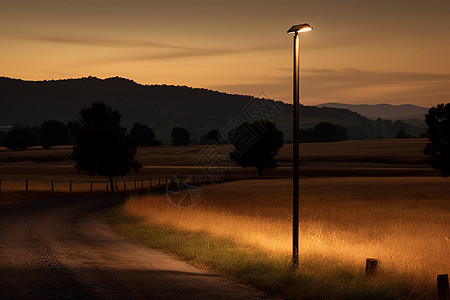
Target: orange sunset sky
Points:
(360, 51)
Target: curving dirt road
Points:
(63, 249)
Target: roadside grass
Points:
(315, 278)
(243, 230)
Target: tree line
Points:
(102, 147)
(54, 133)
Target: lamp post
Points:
(295, 173)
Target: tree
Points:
(142, 135)
(180, 136)
(437, 149)
(19, 138)
(101, 146)
(213, 136)
(53, 133)
(256, 145)
(324, 132)
(402, 135)
(341, 133)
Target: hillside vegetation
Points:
(163, 107)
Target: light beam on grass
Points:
(345, 221)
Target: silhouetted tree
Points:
(402, 135)
(53, 133)
(180, 136)
(324, 132)
(341, 133)
(256, 145)
(142, 135)
(437, 149)
(212, 136)
(101, 146)
(19, 138)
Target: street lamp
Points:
(295, 173)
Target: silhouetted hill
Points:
(163, 106)
(384, 111)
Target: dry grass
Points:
(404, 222)
(404, 151)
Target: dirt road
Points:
(63, 249)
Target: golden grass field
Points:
(403, 222)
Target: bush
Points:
(19, 138)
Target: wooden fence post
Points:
(52, 186)
(371, 266)
(70, 185)
(90, 187)
(159, 180)
(149, 182)
(107, 185)
(124, 185)
(26, 185)
(142, 183)
(442, 285)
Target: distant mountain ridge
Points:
(384, 111)
(163, 107)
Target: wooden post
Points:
(371, 266)
(70, 186)
(124, 185)
(442, 285)
(159, 180)
(166, 179)
(135, 187)
(142, 183)
(90, 187)
(107, 184)
(115, 184)
(52, 186)
(149, 182)
(26, 185)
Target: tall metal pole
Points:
(296, 157)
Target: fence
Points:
(83, 185)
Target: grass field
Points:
(359, 199)
(403, 222)
(405, 151)
(347, 158)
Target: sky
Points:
(360, 51)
